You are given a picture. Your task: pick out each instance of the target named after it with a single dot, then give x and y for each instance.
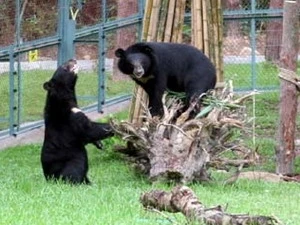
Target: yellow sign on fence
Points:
(33, 55)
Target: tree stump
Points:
(180, 147)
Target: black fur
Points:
(64, 155)
(157, 67)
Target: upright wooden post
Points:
(285, 151)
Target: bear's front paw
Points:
(98, 144)
(75, 110)
(75, 69)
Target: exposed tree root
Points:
(180, 147)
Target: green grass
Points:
(113, 198)
(33, 94)
(266, 75)
(263, 108)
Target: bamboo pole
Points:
(181, 14)
(152, 32)
(214, 30)
(211, 30)
(170, 20)
(146, 21)
(205, 28)
(162, 20)
(220, 72)
(197, 26)
(178, 21)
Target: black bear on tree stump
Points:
(157, 67)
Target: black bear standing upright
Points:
(67, 129)
(157, 67)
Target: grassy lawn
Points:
(266, 76)
(113, 198)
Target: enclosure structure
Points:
(251, 47)
(35, 38)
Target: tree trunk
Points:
(170, 160)
(285, 151)
(274, 34)
(183, 199)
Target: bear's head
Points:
(61, 87)
(136, 61)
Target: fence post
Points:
(66, 32)
(12, 91)
(101, 68)
(101, 60)
(253, 47)
(16, 74)
(141, 6)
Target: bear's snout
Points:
(138, 71)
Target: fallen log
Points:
(183, 199)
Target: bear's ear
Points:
(120, 53)
(47, 85)
(146, 49)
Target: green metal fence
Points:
(37, 37)
(251, 47)
(252, 40)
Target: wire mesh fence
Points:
(252, 43)
(251, 47)
(32, 36)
